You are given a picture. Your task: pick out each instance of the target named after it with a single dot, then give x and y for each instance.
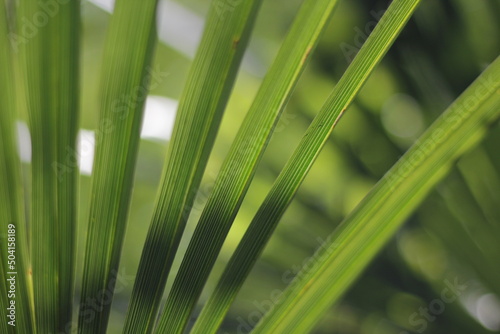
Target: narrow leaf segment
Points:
(126, 75)
(49, 76)
(16, 292)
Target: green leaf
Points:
(14, 255)
(201, 105)
(240, 164)
(367, 229)
(126, 75)
(299, 164)
(49, 66)
(469, 224)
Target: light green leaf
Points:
(14, 257)
(298, 165)
(240, 164)
(367, 229)
(49, 74)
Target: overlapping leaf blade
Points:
(14, 257)
(125, 78)
(384, 209)
(48, 55)
(201, 105)
(240, 164)
(298, 165)
(49, 74)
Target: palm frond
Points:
(382, 211)
(200, 110)
(126, 75)
(241, 162)
(294, 172)
(49, 74)
(17, 294)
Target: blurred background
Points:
(440, 273)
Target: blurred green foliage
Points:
(454, 235)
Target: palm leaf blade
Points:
(379, 215)
(298, 165)
(124, 83)
(201, 105)
(49, 74)
(240, 163)
(11, 203)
